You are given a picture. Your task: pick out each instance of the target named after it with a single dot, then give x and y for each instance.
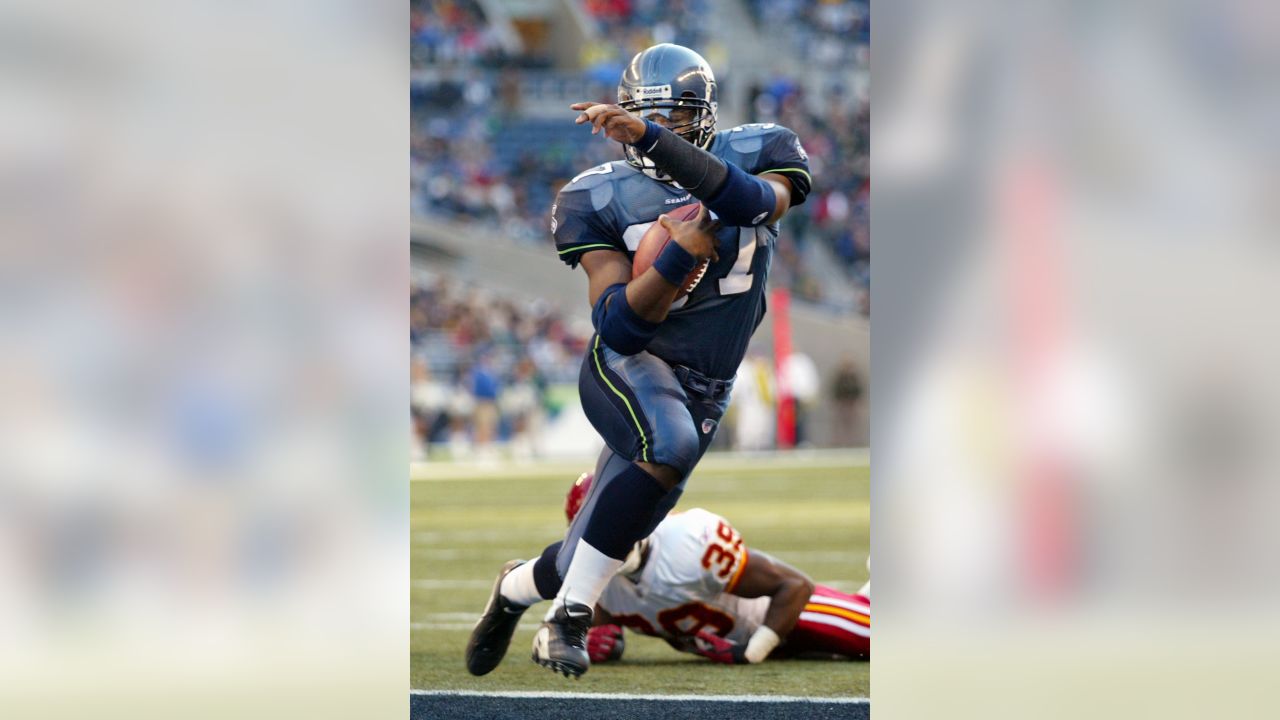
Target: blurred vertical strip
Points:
(203, 261)
(1075, 360)
(780, 305)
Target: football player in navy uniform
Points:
(657, 375)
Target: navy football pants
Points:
(644, 414)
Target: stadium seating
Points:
(527, 350)
(491, 145)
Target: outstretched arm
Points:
(739, 198)
(788, 590)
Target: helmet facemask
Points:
(692, 118)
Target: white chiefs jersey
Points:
(695, 560)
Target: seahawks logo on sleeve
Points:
(580, 217)
(761, 148)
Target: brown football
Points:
(656, 238)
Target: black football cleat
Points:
(561, 643)
(493, 631)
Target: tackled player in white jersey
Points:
(696, 584)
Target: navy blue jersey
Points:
(609, 207)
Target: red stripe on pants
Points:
(811, 637)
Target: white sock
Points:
(589, 573)
(518, 586)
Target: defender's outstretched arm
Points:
(788, 587)
(789, 590)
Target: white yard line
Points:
(628, 696)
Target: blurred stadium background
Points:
(499, 324)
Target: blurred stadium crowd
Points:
(482, 151)
(491, 144)
(828, 33)
(484, 367)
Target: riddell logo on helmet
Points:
(651, 91)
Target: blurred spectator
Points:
(484, 390)
(428, 403)
(846, 388)
(462, 405)
(625, 27)
(753, 406)
(503, 356)
(448, 33)
(520, 403)
(828, 33)
(803, 383)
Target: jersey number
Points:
(723, 550)
(635, 622)
(735, 282)
(691, 618)
(604, 169)
(739, 278)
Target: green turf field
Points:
(467, 522)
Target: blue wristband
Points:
(674, 263)
(652, 131)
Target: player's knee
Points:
(667, 504)
(665, 475)
(678, 448)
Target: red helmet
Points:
(577, 495)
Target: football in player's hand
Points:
(656, 238)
